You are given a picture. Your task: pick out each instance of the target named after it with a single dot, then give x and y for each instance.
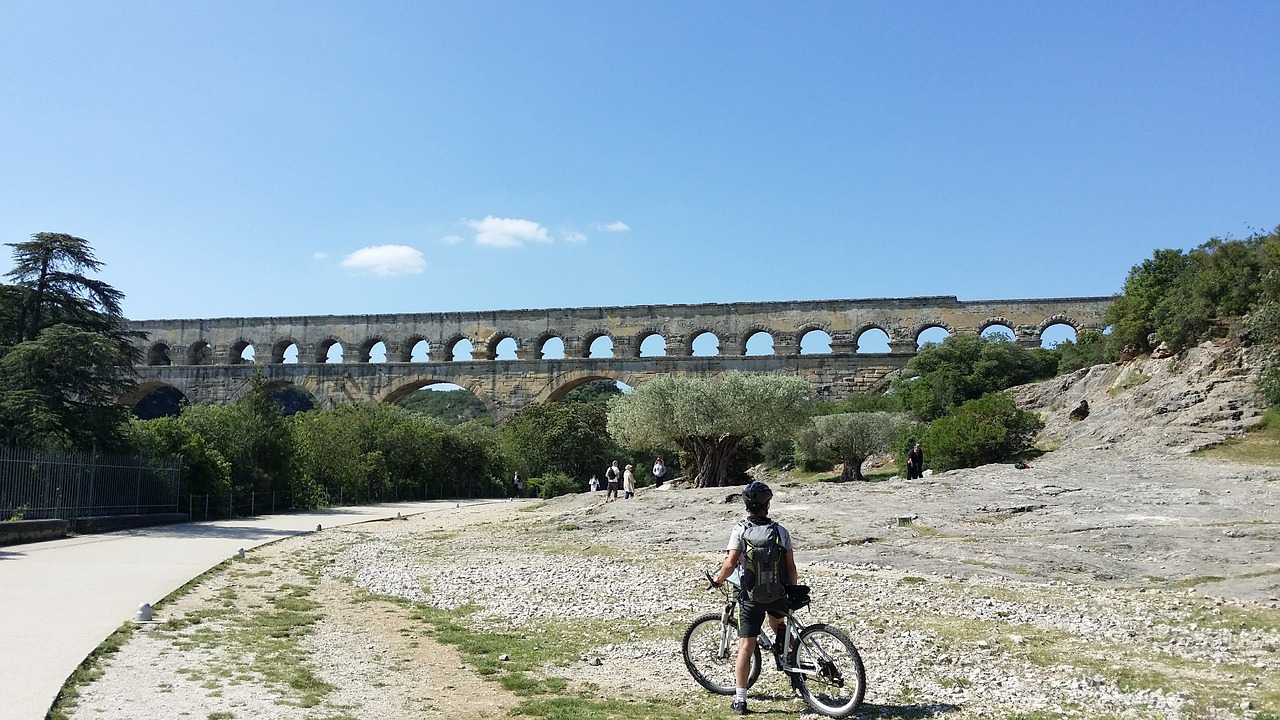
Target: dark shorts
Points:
(751, 615)
(613, 486)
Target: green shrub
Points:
(1088, 349)
(989, 429)
(554, 485)
(1269, 382)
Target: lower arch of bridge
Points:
(143, 389)
(563, 384)
(401, 390)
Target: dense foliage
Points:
(351, 454)
(1180, 299)
(570, 439)
(966, 367)
(595, 392)
(452, 406)
(989, 429)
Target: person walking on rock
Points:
(915, 462)
(628, 483)
(659, 472)
(612, 476)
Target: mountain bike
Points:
(824, 667)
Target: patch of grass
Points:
(532, 506)
(89, 669)
(1196, 580)
(1259, 447)
(927, 531)
(912, 580)
(1235, 618)
(260, 641)
(192, 584)
(529, 652)
(566, 527)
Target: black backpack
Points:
(763, 570)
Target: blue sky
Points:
(246, 159)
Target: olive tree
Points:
(709, 418)
(851, 438)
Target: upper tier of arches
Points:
(781, 329)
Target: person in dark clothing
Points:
(915, 462)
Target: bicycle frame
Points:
(791, 627)
(790, 646)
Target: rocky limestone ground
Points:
(1118, 577)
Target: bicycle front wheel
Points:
(833, 681)
(710, 652)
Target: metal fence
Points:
(233, 505)
(40, 484)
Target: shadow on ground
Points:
(866, 710)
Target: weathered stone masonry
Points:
(203, 358)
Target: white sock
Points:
(739, 694)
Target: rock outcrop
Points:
(1197, 398)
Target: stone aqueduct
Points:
(204, 359)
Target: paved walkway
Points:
(60, 599)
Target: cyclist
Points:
(751, 615)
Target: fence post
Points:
(252, 497)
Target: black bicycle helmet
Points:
(757, 494)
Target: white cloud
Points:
(508, 232)
(574, 236)
(320, 256)
(617, 226)
(451, 239)
(386, 260)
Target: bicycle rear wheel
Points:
(710, 651)
(838, 681)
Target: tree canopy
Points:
(966, 367)
(65, 354)
(851, 438)
(1181, 298)
(567, 438)
(976, 432)
(709, 418)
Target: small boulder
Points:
(1081, 411)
